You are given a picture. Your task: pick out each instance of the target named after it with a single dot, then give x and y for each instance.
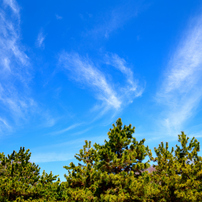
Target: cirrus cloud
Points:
(181, 90)
(83, 70)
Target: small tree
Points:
(177, 179)
(122, 152)
(20, 179)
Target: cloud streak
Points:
(13, 5)
(58, 17)
(4, 125)
(120, 64)
(40, 40)
(14, 66)
(51, 157)
(83, 70)
(39, 154)
(66, 129)
(115, 19)
(181, 90)
(9, 46)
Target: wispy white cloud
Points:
(13, 5)
(39, 154)
(194, 132)
(51, 157)
(47, 120)
(43, 156)
(10, 49)
(16, 72)
(50, 121)
(83, 70)
(120, 64)
(115, 19)
(4, 125)
(64, 144)
(66, 129)
(81, 132)
(40, 40)
(14, 65)
(58, 17)
(181, 90)
(17, 106)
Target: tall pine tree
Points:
(107, 168)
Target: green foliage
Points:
(108, 167)
(115, 171)
(20, 179)
(177, 178)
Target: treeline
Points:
(114, 171)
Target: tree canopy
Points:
(114, 171)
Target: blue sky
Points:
(69, 69)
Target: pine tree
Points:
(115, 171)
(122, 152)
(20, 179)
(176, 177)
(110, 171)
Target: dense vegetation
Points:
(114, 171)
